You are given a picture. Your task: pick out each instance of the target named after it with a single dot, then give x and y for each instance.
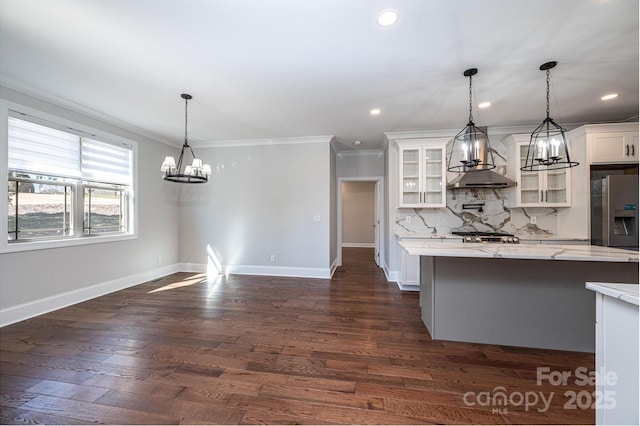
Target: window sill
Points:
(71, 242)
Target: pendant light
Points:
(197, 172)
(471, 150)
(548, 148)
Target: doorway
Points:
(360, 208)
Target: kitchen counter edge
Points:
(588, 253)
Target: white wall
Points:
(51, 276)
(358, 214)
(261, 201)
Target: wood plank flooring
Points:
(269, 350)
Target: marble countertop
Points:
(430, 236)
(426, 236)
(587, 253)
(626, 292)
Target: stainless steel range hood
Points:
(481, 179)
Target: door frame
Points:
(378, 212)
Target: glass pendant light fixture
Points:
(548, 148)
(196, 172)
(470, 150)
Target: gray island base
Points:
(537, 303)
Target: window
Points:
(105, 210)
(38, 210)
(63, 185)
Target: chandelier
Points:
(471, 150)
(197, 172)
(548, 145)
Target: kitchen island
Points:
(515, 294)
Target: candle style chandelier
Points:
(471, 150)
(548, 148)
(196, 172)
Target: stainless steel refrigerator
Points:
(614, 211)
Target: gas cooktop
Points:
(487, 237)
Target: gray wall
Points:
(358, 213)
(360, 164)
(260, 201)
(30, 275)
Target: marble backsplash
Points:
(495, 215)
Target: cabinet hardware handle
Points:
(541, 196)
(546, 196)
(626, 152)
(633, 150)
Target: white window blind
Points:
(103, 162)
(40, 149)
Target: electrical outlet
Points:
(159, 260)
(316, 218)
(533, 220)
(272, 258)
(407, 219)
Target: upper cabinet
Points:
(611, 143)
(545, 188)
(613, 147)
(422, 173)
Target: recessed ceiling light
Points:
(357, 143)
(375, 111)
(484, 105)
(387, 18)
(609, 96)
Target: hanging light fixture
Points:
(197, 172)
(548, 145)
(471, 150)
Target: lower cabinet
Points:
(616, 394)
(410, 275)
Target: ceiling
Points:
(263, 69)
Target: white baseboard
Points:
(42, 306)
(359, 245)
(408, 287)
(37, 307)
(392, 276)
(274, 271)
(333, 268)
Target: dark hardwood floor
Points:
(251, 350)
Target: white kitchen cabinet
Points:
(410, 275)
(422, 173)
(616, 396)
(613, 147)
(542, 188)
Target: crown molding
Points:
(418, 134)
(20, 89)
(604, 128)
(267, 141)
(361, 153)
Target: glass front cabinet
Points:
(422, 173)
(545, 188)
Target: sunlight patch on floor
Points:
(194, 279)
